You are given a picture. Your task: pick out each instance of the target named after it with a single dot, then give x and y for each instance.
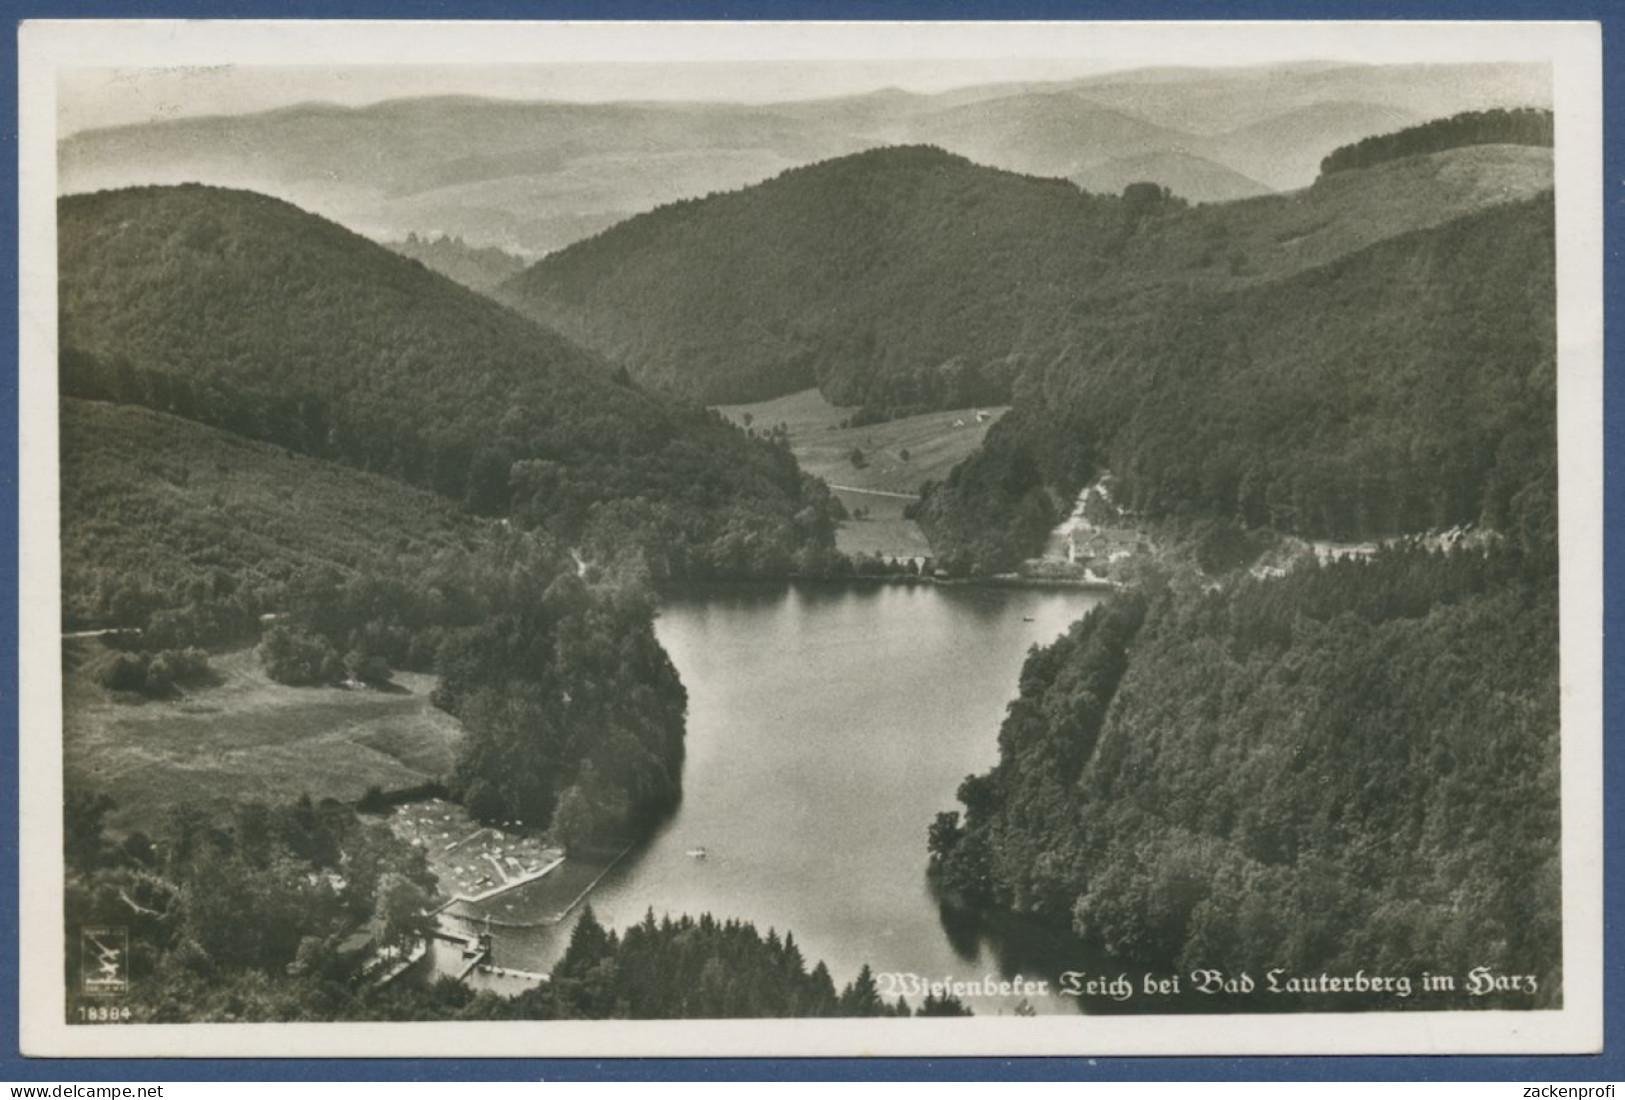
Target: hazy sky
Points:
(114, 72)
(106, 97)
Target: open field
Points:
(882, 530)
(800, 413)
(245, 738)
(934, 443)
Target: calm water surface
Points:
(827, 726)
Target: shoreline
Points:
(990, 580)
(558, 917)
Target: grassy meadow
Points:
(880, 529)
(934, 443)
(244, 738)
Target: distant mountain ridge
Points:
(1039, 133)
(532, 177)
(1284, 151)
(481, 269)
(1185, 174)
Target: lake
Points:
(827, 726)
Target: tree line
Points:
(1519, 126)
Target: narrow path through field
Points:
(874, 492)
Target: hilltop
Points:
(910, 278)
(1525, 126)
(245, 313)
(891, 276)
(1188, 176)
(1040, 133)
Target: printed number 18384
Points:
(104, 1014)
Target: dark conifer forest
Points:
(1518, 127)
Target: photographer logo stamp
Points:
(104, 967)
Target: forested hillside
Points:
(193, 535)
(302, 474)
(160, 513)
(908, 278)
(1520, 127)
(1409, 386)
(1351, 766)
(1354, 766)
(244, 313)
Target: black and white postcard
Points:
(778, 539)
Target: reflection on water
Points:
(964, 930)
(1014, 946)
(827, 726)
